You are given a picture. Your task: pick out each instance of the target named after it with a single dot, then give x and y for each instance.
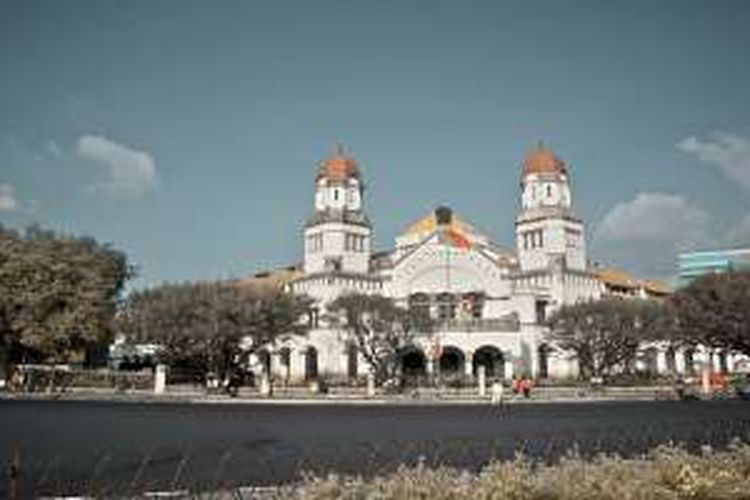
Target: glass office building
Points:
(694, 264)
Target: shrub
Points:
(667, 472)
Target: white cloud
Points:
(8, 200)
(130, 172)
(727, 152)
(657, 217)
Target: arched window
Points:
(446, 306)
(472, 305)
(543, 354)
(671, 360)
(352, 355)
(285, 360)
(689, 361)
(311, 363)
(419, 305)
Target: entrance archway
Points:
(451, 362)
(285, 360)
(649, 358)
(264, 360)
(543, 355)
(413, 362)
(311, 363)
(492, 359)
(352, 358)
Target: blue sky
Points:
(187, 133)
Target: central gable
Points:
(446, 261)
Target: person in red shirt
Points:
(526, 385)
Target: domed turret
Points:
(337, 236)
(543, 161)
(338, 167)
(546, 228)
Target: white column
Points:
(482, 381)
(706, 378)
(661, 362)
(430, 366)
(370, 384)
(160, 379)
(468, 363)
(508, 366)
(265, 384)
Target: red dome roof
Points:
(543, 161)
(339, 167)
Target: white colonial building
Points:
(490, 302)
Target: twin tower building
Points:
(489, 303)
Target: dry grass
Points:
(668, 472)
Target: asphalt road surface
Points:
(67, 446)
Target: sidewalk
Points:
(297, 396)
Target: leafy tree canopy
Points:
(58, 294)
(379, 329)
(605, 335)
(211, 325)
(715, 310)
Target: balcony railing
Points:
(509, 324)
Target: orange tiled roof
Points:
(339, 167)
(429, 224)
(617, 277)
(657, 287)
(271, 280)
(543, 160)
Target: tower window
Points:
(549, 191)
(335, 195)
(315, 242)
(541, 311)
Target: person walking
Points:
(497, 394)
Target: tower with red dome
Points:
(547, 232)
(337, 236)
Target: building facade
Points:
(489, 302)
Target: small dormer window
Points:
(335, 195)
(549, 191)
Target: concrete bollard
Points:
(314, 386)
(482, 381)
(265, 385)
(160, 379)
(370, 385)
(706, 379)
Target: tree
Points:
(715, 310)
(58, 294)
(605, 334)
(211, 326)
(379, 329)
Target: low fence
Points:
(60, 378)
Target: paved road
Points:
(80, 446)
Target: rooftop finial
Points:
(339, 149)
(540, 144)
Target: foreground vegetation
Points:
(668, 472)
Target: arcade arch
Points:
(492, 359)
